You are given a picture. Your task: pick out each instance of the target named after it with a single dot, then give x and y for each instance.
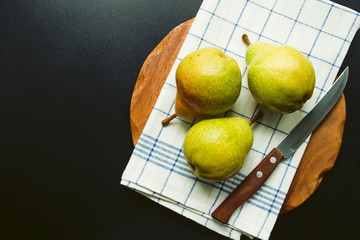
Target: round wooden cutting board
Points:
(320, 154)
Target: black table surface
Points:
(67, 72)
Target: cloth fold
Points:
(157, 168)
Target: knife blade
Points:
(283, 151)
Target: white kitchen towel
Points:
(320, 29)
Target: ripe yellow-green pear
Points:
(215, 149)
(280, 78)
(208, 82)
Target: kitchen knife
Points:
(283, 151)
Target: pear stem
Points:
(166, 121)
(245, 38)
(256, 117)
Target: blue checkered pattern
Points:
(322, 30)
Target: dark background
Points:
(67, 72)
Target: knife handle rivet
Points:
(259, 174)
(273, 159)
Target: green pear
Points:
(280, 78)
(208, 82)
(215, 149)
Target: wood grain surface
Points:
(320, 154)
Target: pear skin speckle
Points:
(281, 78)
(216, 148)
(208, 83)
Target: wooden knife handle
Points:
(248, 186)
